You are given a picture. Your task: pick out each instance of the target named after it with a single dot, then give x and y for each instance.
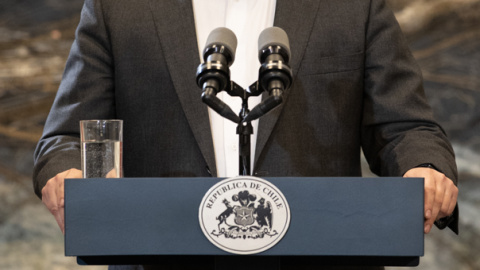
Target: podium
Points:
(334, 221)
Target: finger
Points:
(48, 196)
(72, 173)
(52, 197)
(448, 201)
(60, 201)
(453, 201)
(433, 195)
(428, 225)
(49, 199)
(61, 205)
(429, 200)
(439, 197)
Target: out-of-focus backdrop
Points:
(35, 38)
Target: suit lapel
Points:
(296, 18)
(175, 26)
(176, 32)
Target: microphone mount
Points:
(275, 76)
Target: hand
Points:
(440, 195)
(53, 195)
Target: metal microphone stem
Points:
(244, 131)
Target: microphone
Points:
(213, 75)
(275, 76)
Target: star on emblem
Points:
(244, 215)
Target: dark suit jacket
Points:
(356, 86)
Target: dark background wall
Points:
(35, 38)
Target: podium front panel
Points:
(372, 217)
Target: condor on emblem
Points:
(244, 215)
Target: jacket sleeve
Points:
(398, 129)
(86, 92)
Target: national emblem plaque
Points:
(244, 215)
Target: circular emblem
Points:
(244, 215)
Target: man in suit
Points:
(356, 86)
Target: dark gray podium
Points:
(334, 221)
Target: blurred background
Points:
(35, 38)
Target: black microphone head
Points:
(225, 37)
(273, 36)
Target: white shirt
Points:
(247, 19)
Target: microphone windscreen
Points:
(274, 36)
(223, 36)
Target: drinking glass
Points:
(101, 148)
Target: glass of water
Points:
(101, 148)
